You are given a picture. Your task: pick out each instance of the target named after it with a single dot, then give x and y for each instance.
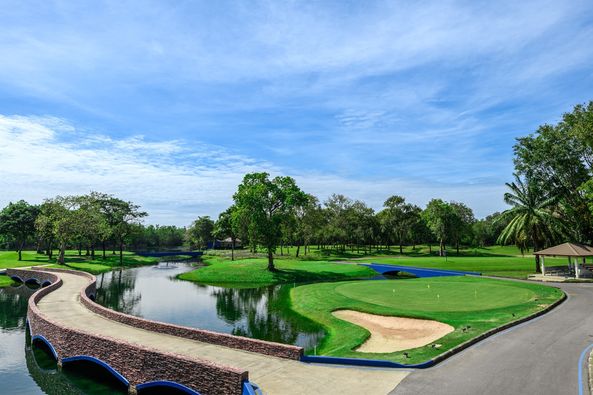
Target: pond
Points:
(154, 293)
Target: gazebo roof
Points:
(567, 249)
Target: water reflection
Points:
(155, 293)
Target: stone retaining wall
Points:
(238, 342)
(26, 275)
(137, 364)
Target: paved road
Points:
(539, 357)
(272, 375)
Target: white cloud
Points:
(174, 181)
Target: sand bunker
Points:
(390, 334)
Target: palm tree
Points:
(531, 217)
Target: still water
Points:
(151, 292)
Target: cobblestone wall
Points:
(137, 364)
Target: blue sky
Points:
(168, 104)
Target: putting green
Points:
(439, 294)
(471, 305)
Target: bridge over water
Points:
(161, 254)
(144, 354)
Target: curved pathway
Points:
(273, 375)
(538, 357)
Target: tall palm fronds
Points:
(532, 216)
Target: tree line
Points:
(551, 201)
(551, 197)
(273, 213)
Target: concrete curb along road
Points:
(590, 370)
(439, 358)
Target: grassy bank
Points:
(471, 305)
(322, 264)
(9, 259)
(254, 271)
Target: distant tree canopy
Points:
(550, 201)
(200, 233)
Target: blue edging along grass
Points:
(364, 362)
(417, 271)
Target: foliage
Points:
(265, 204)
(531, 218)
(398, 220)
(439, 217)
(200, 232)
(556, 162)
(17, 222)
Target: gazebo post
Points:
(576, 268)
(543, 265)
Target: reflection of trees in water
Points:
(13, 306)
(116, 290)
(262, 313)
(48, 379)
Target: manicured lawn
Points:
(254, 271)
(30, 258)
(501, 261)
(72, 260)
(471, 305)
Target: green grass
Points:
(480, 303)
(254, 272)
(5, 281)
(9, 259)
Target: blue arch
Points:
(47, 343)
(46, 283)
(114, 372)
(17, 278)
(164, 383)
(33, 281)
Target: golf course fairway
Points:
(471, 305)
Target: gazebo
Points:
(569, 250)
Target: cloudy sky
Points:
(168, 104)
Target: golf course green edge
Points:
(418, 357)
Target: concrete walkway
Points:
(272, 375)
(539, 357)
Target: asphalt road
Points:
(538, 357)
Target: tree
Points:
(58, 213)
(530, 218)
(461, 223)
(17, 222)
(265, 203)
(308, 218)
(438, 216)
(338, 209)
(224, 228)
(122, 216)
(398, 219)
(200, 232)
(559, 159)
